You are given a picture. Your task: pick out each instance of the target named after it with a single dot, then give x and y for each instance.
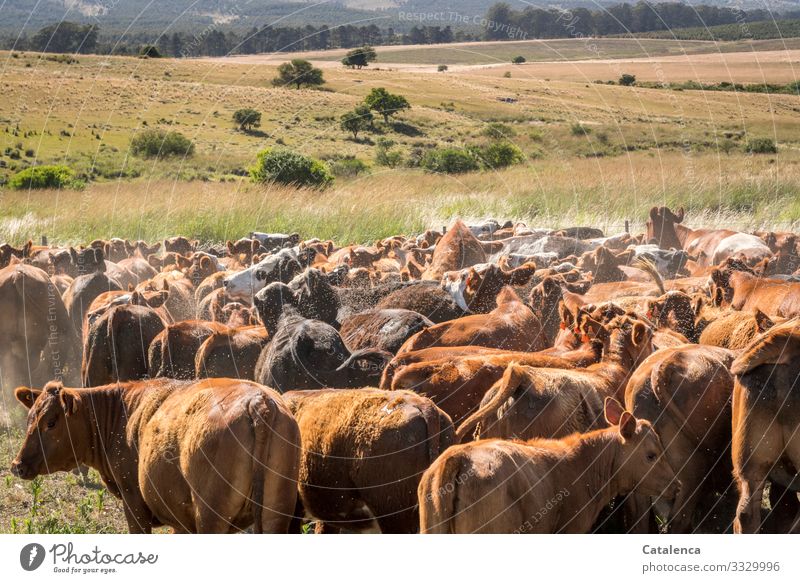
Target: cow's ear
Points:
(639, 333)
(205, 262)
(27, 396)
(763, 322)
(627, 425)
(613, 411)
(70, 401)
(231, 248)
(654, 213)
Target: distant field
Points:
(593, 152)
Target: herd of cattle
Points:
(494, 378)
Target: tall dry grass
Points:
(737, 191)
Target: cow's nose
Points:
(17, 469)
(224, 283)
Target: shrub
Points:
(449, 161)
(247, 118)
(385, 103)
(501, 155)
(627, 79)
(360, 57)
(150, 52)
(761, 146)
(357, 120)
(442, 68)
(44, 177)
(578, 129)
(298, 72)
(385, 155)
(348, 167)
(289, 167)
(160, 144)
(499, 131)
(518, 60)
(507, 74)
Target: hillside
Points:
(762, 30)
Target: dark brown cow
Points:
(363, 454)
(383, 329)
(172, 352)
(211, 456)
(426, 298)
(83, 290)
(231, 353)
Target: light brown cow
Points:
(766, 426)
(543, 486)
(458, 249)
(364, 451)
(510, 326)
(172, 352)
(231, 353)
(210, 456)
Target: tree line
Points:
(503, 22)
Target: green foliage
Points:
(348, 167)
(150, 52)
(385, 103)
(518, 60)
(578, 129)
(156, 143)
(247, 118)
(761, 146)
(449, 161)
(387, 155)
(360, 119)
(501, 155)
(44, 177)
(498, 131)
(288, 167)
(360, 57)
(298, 72)
(65, 37)
(627, 79)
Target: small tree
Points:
(360, 119)
(247, 119)
(289, 167)
(150, 52)
(518, 60)
(627, 79)
(385, 103)
(761, 146)
(361, 57)
(442, 68)
(449, 161)
(500, 155)
(161, 144)
(298, 72)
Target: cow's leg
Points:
(140, 520)
(325, 528)
(405, 522)
(296, 525)
(748, 512)
(784, 509)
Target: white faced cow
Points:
(281, 266)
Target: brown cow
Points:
(766, 426)
(83, 290)
(364, 451)
(543, 401)
(543, 486)
(457, 383)
(458, 249)
(686, 393)
(211, 456)
(666, 229)
(383, 329)
(37, 338)
(511, 326)
(747, 292)
(116, 343)
(735, 330)
(231, 353)
(425, 298)
(172, 352)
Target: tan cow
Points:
(210, 456)
(458, 249)
(543, 486)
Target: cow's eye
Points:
(260, 275)
(651, 457)
(51, 423)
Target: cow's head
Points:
(661, 227)
(365, 367)
(276, 267)
(55, 435)
(673, 310)
(641, 464)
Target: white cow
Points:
(747, 247)
(280, 266)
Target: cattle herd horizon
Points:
(492, 378)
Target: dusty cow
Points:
(211, 456)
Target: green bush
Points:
(449, 161)
(387, 155)
(498, 131)
(518, 60)
(761, 146)
(578, 129)
(627, 79)
(44, 177)
(161, 144)
(247, 118)
(348, 167)
(289, 167)
(501, 155)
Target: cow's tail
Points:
(647, 265)
(437, 496)
(507, 386)
(661, 377)
(440, 435)
(276, 462)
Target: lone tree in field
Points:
(360, 57)
(150, 52)
(627, 79)
(298, 72)
(247, 119)
(518, 60)
(385, 103)
(358, 120)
